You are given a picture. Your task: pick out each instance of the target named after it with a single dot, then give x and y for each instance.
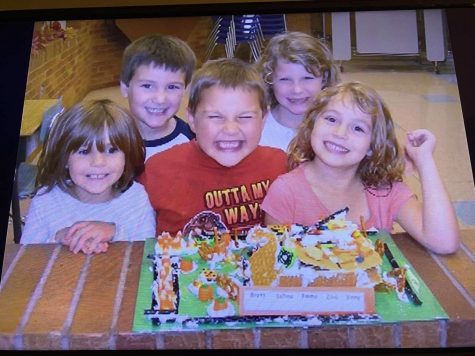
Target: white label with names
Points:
(255, 300)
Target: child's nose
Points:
(340, 130)
(231, 126)
(159, 96)
(297, 87)
(97, 159)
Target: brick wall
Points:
(88, 60)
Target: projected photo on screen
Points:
(239, 171)
(404, 55)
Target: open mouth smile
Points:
(155, 110)
(229, 145)
(97, 176)
(298, 101)
(333, 147)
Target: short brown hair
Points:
(85, 124)
(228, 73)
(162, 50)
(301, 48)
(385, 164)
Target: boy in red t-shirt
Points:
(223, 170)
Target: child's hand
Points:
(60, 236)
(89, 236)
(420, 146)
(89, 248)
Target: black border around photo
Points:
(16, 29)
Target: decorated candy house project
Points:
(210, 274)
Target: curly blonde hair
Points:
(301, 48)
(85, 124)
(385, 164)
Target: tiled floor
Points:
(417, 98)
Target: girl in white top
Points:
(86, 194)
(295, 67)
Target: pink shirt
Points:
(291, 200)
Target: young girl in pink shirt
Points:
(345, 154)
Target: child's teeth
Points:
(228, 144)
(336, 147)
(296, 101)
(156, 111)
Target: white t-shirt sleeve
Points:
(36, 228)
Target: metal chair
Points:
(247, 30)
(26, 172)
(220, 35)
(231, 31)
(272, 24)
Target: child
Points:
(346, 154)
(155, 72)
(295, 67)
(223, 170)
(86, 193)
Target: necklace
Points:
(374, 191)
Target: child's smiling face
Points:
(94, 173)
(228, 123)
(154, 94)
(294, 87)
(341, 136)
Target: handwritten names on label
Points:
(298, 301)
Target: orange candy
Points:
(186, 264)
(205, 293)
(220, 304)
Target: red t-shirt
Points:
(183, 181)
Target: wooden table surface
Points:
(33, 115)
(53, 299)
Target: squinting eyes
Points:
(239, 119)
(290, 81)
